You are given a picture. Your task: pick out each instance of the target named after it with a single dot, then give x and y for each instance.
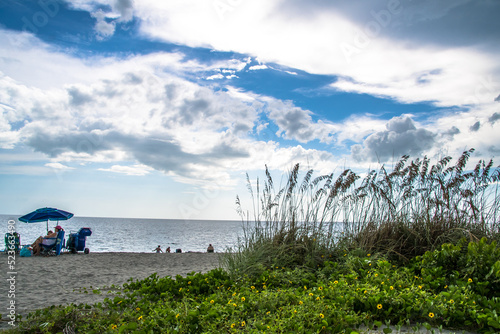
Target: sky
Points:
(159, 109)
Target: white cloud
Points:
(257, 67)
(314, 41)
(103, 28)
(58, 166)
(295, 123)
(400, 137)
(136, 170)
(136, 110)
(215, 77)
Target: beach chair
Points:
(12, 241)
(53, 246)
(76, 240)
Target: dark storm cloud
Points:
(78, 98)
(125, 8)
(475, 127)
(401, 137)
(193, 109)
(446, 22)
(133, 79)
(225, 150)
(493, 118)
(55, 143)
(451, 132)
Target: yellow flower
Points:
(379, 306)
(420, 287)
(139, 318)
(294, 311)
(180, 289)
(368, 254)
(451, 301)
(376, 275)
(234, 294)
(212, 301)
(234, 305)
(470, 280)
(311, 294)
(317, 298)
(370, 264)
(232, 325)
(138, 309)
(431, 315)
(268, 312)
(300, 302)
(365, 291)
(336, 282)
(243, 323)
(177, 315)
(446, 286)
(305, 287)
(120, 302)
(391, 287)
(242, 299)
(321, 315)
(252, 287)
(189, 282)
(320, 288)
(114, 327)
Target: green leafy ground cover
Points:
(456, 286)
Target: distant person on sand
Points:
(210, 248)
(167, 250)
(36, 246)
(158, 249)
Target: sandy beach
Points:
(45, 281)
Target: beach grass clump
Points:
(293, 225)
(404, 212)
(355, 294)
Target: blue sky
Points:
(157, 109)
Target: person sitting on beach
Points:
(167, 250)
(210, 248)
(158, 249)
(47, 240)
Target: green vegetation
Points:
(415, 247)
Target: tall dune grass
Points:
(404, 212)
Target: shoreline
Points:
(56, 280)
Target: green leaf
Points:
(387, 330)
(493, 323)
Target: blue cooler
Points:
(76, 240)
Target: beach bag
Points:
(25, 252)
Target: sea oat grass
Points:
(403, 213)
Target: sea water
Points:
(137, 235)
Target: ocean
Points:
(138, 235)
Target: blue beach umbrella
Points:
(46, 214)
